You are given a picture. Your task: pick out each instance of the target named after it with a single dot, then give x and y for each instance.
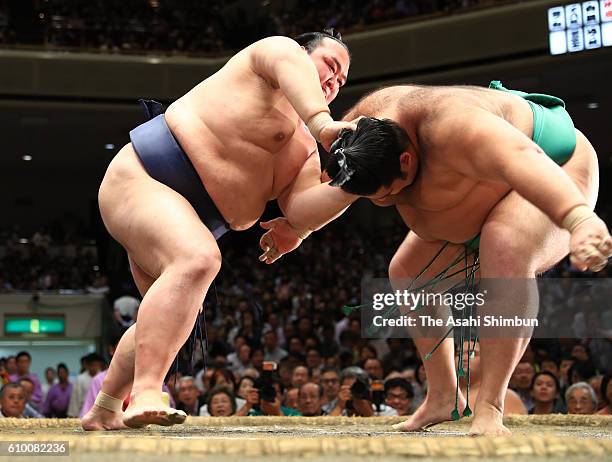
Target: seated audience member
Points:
(30, 412)
(564, 372)
(299, 376)
(580, 352)
(595, 383)
(373, 366)
(606, 395)
(272, 352)
(220, 402)
(12, 401)
(521, 380)
(244, 385)
(545, 393)
(580, 399)
(581, 371)
(189, 399)
(23, 363)
(225, 378)
(354, 397)
(58, 398)
(330, 381)
(314, 361)
(243, 360)
(399, 395)
(309, 399)
(550, 365)
(257, 404)
(291, 398)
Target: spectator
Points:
(23, 363)
(299, 376)
(272, 352)
(291, 398)
(258, 407)
(595, 383)
(551, 366)
(330, 381)
(58, 398)
(12, 401)
(126, 310)
(189, 399)
(580, 399)
(580, 352)
(314, 361)
(11, 365)
(564, 367)
(545, 393)
(581, 371)
(399, 395)
(606, 395)
(373, 366)
(521, 382)
(245, 384)
(353, 402)
(221, 403)
(29, 412)
(50, 379)
(243, 360)
(310, 399)
(93, 364)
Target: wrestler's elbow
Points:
(272, 55)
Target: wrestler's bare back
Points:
(243, 137)
(443, 204)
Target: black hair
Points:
(584, 369)
(604, 388)
(227, 375)
(62, 366)
(399, 382)
(364, 160)
(549, 374)
(311, 40)
(23, 353)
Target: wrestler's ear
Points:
(406, 160)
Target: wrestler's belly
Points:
(458, 223)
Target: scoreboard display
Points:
(580, 26)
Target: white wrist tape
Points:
(109, 403)
(317, 122)
(577, 216)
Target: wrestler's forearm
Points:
(541, 182)
(298, 80)
(313, 208)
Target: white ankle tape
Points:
(109, 403)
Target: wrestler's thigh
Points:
(156, 225)
(415, 254)
(519, 240)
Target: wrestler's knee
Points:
(198, 265)
(505, 251)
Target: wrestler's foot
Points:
(147, 408)
(488, 421)
(435, 409)
(99, 418)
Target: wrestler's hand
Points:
(329, 133)
(590, 245)
(280, 239)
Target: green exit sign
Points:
(34, 326)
